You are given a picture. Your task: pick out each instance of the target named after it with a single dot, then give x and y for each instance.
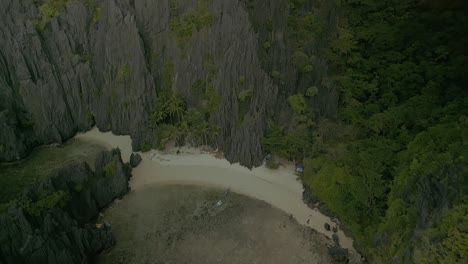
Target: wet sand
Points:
(182, 224)
(280, 188)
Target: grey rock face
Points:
(63, 234)
(135, 159)
(68, 77)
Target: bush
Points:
(242, 79)
(275, 74)
(109, 169)
(46, 202)
(48, 10)
(5, 206)
(168, 73)
(78, 188)
(244, 94)
(124, 72)
(312, 91)
(200, 17)
(297, 103)
(88, 57)
(300, 58)
(308, 69)
(271, 164)
(96, 14)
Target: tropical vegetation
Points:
(393, 164)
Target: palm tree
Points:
(176, 107)
(204, 132)
(157, 117)
(214, 132)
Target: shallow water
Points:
(40, 163)
(182, 224)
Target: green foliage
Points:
(300, 59)
(305, 26)
(5, 206)
(298, 103)
(212, 100)
(50, 9)
(294, 144)
(273, 141)
(96, 14)
(169, 110)
(168, 73)
(182, 28)
(275, 74)
(87, 57)
(244, 104)
(171, 120)
(400, 176)
(40, 164)
(78, 188)
(269, 24)
(109, 168)
(308, 68)
(312, 91)
(242, 79)
(344, 42)
(199, 87)
(271, 164)
(267, 45)
(46, 202)
(244, 94)
(446, 242)
(124, 72)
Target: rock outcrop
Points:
(51, 222)
(103, 63)
(135, 159)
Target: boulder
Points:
(339, 254)
(335, 238)
(327, 226)
(135, 159)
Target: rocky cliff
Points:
(50, 223)
(73, 64)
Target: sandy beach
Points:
(281, 188)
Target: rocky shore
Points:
(54, 220)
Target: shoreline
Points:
(280, 188)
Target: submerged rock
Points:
(135, 159)
(335, 238)
(51, 222)
(339, 254)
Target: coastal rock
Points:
(335, 238)
(51, 222)
(105, 69)
(340, 255)
(327, 226)
(135, 159)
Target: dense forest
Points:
(393, 164)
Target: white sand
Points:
(280, 188)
